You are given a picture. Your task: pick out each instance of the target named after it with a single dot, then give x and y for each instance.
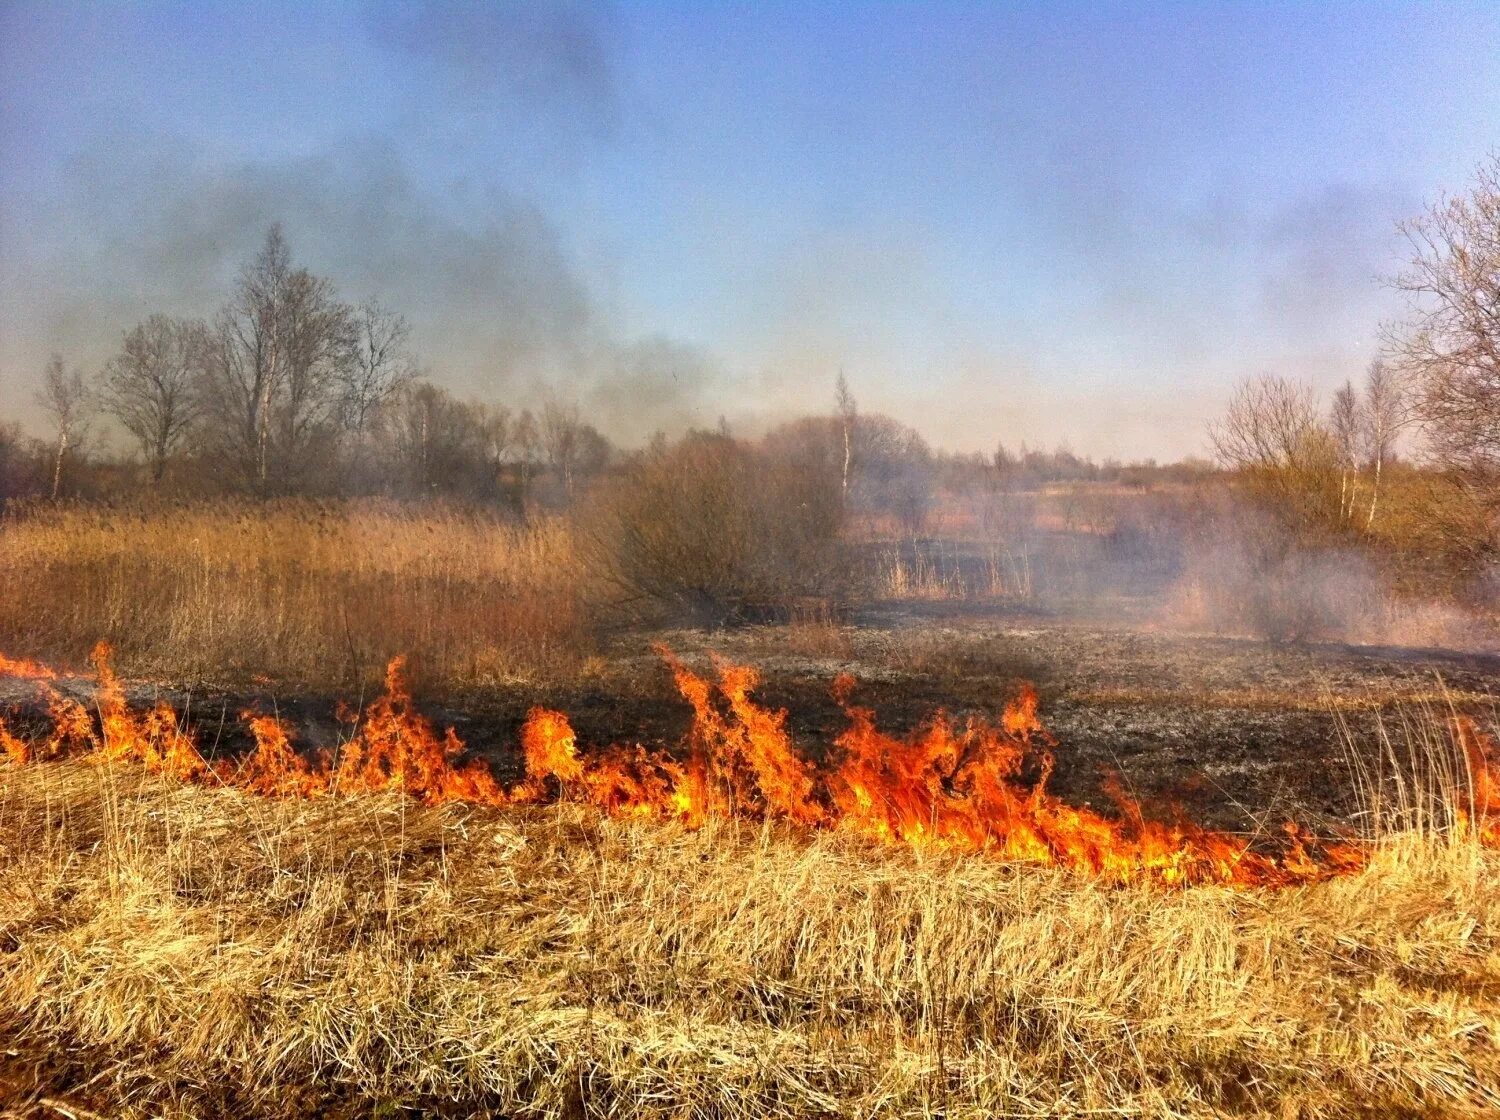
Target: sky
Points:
(1043, 223)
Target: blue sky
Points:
(1050, 223)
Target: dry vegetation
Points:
(185, 951)
(170, 950)
(321, 595)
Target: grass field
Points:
(196, 950)
(180, 951)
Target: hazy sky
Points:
(1005, 222)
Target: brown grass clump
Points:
(322, 595)
(190, 951)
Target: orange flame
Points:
(976, 787)
(1483, 754)
(27, 670)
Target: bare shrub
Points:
(714, 532)
(1273, 436)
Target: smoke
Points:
(146, 220)
(1246, 578)
(554, 57)
(1218, 562)
(498, 306)
(657, 384)
(1073, 266)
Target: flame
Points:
(1483, 754)
(976, 786)
(27, 670)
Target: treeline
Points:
(290, 390)
(1332, 470)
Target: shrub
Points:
(713, 532)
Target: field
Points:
(175, 942)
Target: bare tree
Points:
(149, 386)
(18, 463)
(379, 365)
(560, 428)
(1384, 415)
(65, 398)
(498, 427)
(1448, 348)
(1346, 423)
(379, 362)
(440, 442)
(527, 437)
(280, 356)
(1271, 432)
(848, 415)
(573, 449)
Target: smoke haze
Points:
(1001, 227)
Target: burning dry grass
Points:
(190, 950)
(319, 595)
(392, 929)
(979, 786)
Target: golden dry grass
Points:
(317, 594)
(186, 951)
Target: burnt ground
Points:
(1241, 734)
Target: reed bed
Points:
(317, 594)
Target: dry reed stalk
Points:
(316, 594)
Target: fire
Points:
(977, 786)
(1483, 754)
(27, 670)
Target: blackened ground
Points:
(1240, 734)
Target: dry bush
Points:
(1436, 535)
(712, 531)
(313, 593)
(186, 951)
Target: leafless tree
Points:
(560, 427)
(65, 398)
(1271, 432)
(280, 357)
(1448, 348)
(527, 437)
(149, 386)
(499, 430)
(848, 413)
(1346, 423)
(1384, 415)
(18, 473)
(379, 364)
(439, 442)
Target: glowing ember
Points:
(976, 787)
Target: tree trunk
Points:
(845, 488)
(62, 449)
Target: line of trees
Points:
(290, 389)
(1437, 379)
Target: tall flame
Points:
(1483, 810)
(978, 786)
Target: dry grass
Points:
(912, 570)
(321, 595)
(187, 951)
